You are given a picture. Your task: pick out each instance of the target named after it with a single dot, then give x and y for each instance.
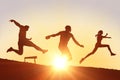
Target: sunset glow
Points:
(60, 63)
(44, 17)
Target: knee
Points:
(20, 53)
(108, 45)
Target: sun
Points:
(60, 63)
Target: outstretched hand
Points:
(12, 20)
(47, 37)
(106, 34)
(82, 46)
(110, 37)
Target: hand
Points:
(12, 20)
(47, 37)
(106, 34)
(110, 37)
(82, 46)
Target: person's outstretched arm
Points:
(53, 35)
(106, 36)
(16, 23)
(76, 42)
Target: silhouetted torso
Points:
(64, 38)
(99, 39)
(22, 33)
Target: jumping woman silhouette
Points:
(99, 45)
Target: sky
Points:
(45, 17)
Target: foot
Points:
(10, 49)
(81, 60)
(44, 51)
(113, 54)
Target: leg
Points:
(94, 50)
(31, 44)
(19, 51)
(105, 45)
(65, 51)
(68, 53)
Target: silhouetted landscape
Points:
(14, 70)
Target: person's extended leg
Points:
(91, 53)
(105, 45)
(31, 44)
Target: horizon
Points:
(36, 72)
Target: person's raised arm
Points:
(16, 23)
(53, 35)
(76, 42)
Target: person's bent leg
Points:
(20, 51)
(105, 45)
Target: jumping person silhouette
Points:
(23, 41)
(98, 44)
(64, 38)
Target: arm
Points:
(53, 35)
(106, 36)
(16, 23)
(76, 42)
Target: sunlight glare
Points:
(60, 63)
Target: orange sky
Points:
(51, 16)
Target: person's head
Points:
(26, 27)
(68, 28)
(100, 32)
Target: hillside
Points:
(14, 70)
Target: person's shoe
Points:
(113, 54)
(10, 49)
(44, 51)
(81, 60)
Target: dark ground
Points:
(14, 70)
